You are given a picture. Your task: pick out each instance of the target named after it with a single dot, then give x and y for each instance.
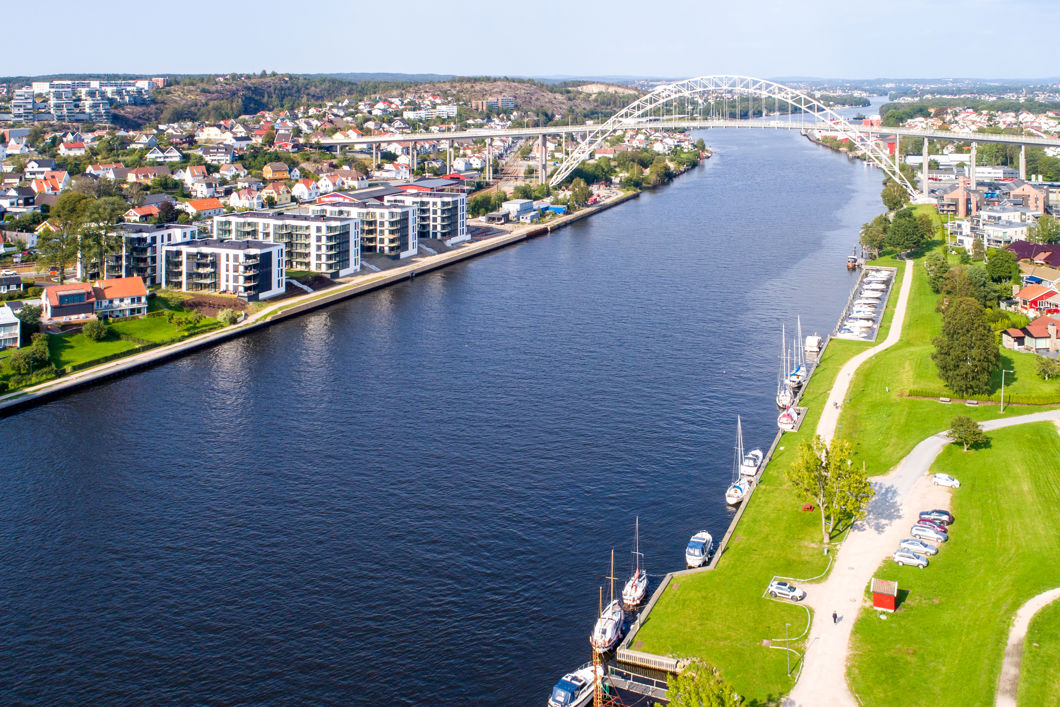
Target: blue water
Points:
(411, 497)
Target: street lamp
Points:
(787, 648)
(1003, 372)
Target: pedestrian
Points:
(835, 617)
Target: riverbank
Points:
(25, 398)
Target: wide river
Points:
(411, 497)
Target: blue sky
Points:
(769, 38)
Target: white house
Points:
(246, 199)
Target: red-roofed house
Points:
(68, 303)
(1040, 336)
(139, 214)
(278, 192)
(1038, 299)
(203, 208)
(121, 297)
(305, 190)
(72, 149)
(81, 301)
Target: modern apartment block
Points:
(249, 269)
(440, 215)
(330, 245)
(143, 249)
(386, 229)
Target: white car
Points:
(918, 546)
(785, 590)
(945, 480)
(926, 532)
(905, 557)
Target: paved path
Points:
(900, 496)
(1009, 682)
(826, 425)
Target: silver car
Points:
(946, 480)
(926, 532)
(905, 557)
(918, 546)
(784, 590)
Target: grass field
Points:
(74, 349)
(71, 349)
(944, 646)
(1040, 669)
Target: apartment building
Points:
(330, 245)
(386, 229)
(439, 215)
(142, 250)
(249, 269)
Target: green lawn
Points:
(158, 330)
(1040, 669)
(945, 643)
(70, 349)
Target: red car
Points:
(937, 525)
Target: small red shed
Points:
(884, 594)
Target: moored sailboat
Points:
(740, 486)
(608, 628)
(636, 589)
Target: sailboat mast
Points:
(612, 575)
(636, 546)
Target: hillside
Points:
(535, 97)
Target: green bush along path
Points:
(945, 644)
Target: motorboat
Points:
(788, 419)
(699, 548)
(870, 294)
(636, 589)
(857, 323)
(608, 627)
(573, 689)
(878, 286)
(752, 461)
(813, 344)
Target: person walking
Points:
(835, 618)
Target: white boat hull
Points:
(608, 628)
(636, 590)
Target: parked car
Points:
(937, 525)
(905, 557)
(946, 480)
(938, 515)
(927, 532)
(784, 590)
(918, 546)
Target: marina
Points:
(865, 307)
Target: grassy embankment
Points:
(944, 646)
(1040, 669)
(721, 615)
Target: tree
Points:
(100, 241)
(904, 233)
(978, 251)
(1001, 264)
(167, 213)
(1046, 230)
(825, 475)
(966, 352)
(966, 431)
(927, 225)
(228, 317)
(874, 235)
(700, 685)
(937, 268)
(29, 359)
(894, 196)
(1046, 367)
(29, 316)
(96, 330)
(580, 192)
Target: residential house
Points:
(37, 167)
(144, 142)
(72, 149)
(217, 154)
(101, 170)
(1033, 196)
(120, 297)
(249, 269)
(139, 214)
(170, 154)
(70, 302)
(1034, 300)
(326, 244)
(1040, 336)
(145, 175)
(246, 199)
(194, 173)
(205, 188)
(10, 329)
(278, 193)
(305, 190)
(1039, 254)
(276, 170)
(232, 171)
(10, 283)
(203, 208)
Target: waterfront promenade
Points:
(291, 307)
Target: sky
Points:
(764, 38)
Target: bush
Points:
(30, 358)
(228, 317)
(96, 330)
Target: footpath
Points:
(1008, 684)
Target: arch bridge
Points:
(710, 94)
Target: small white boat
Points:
(814, 344)
(739, 487)
(788, 420)
(608, 628)
(698, 550)
(870, 295)
(636, 589)
(863, 313)
(878, 286)
(785, 396)
(573, 689)
(752, 461)
(856, 324)
(737, 491)
(866, 302)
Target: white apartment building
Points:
(440, 215)
(252, 270)
(386, 229)
(330, 245)
(142, 251)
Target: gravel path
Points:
(1009, 682)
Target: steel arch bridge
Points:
(693, 91)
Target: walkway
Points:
(1009, 682)
(900, 496)
(826, 426)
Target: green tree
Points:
(1046, 367)
(700, 685)
(1046, 230)
(904, 233)
(894, 196)
(228, 317)
(96, 330)
(167, 213)
(29, 316)
(978, 251)
(966, 432)
(32, 358)
(825, 475)
(580, 192)
(937, 267)
(874, 235)
(100, 239)
(1001, 265)
(966, 352)
(927, 226)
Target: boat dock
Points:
(866, 304)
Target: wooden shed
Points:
(884, 594)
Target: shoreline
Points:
(19, 400)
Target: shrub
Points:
(228, 317)
(95, 330)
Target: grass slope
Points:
(1040, 669)
(944, 646)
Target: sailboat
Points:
(788, 420)
(740, 486)
(785, 395)
(636, 588)
(608, 627)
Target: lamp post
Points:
(1003, 372)
(787, 648)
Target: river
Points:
(411, 497)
